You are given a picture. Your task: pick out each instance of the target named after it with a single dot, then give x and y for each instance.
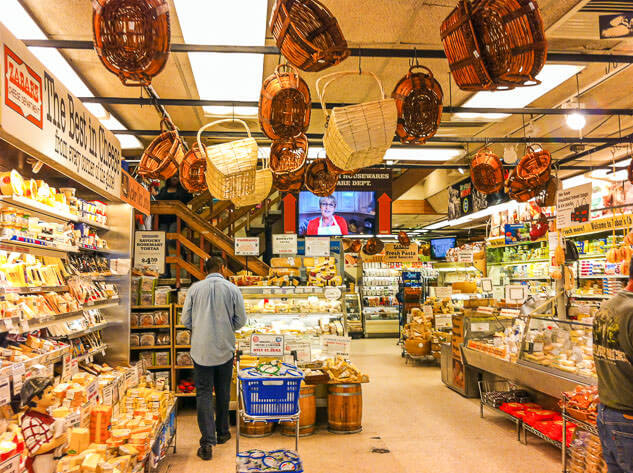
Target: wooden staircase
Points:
(209, 236)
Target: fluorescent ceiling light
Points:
(225, 76)
(23, 26)
(437, 225)
(551, 76)
(483, 213)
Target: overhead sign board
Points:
(134, 193)
(573, 206)
(397, 253)
(39, 115)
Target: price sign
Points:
(428, 310)
(317, 246)
(479, 327)
(247, 246)
(18, 376)
(131, 377)
(11, 465)
(443, 321)
(73, 420)
(303, 349)
(465, 256)
(442, 292)
(332, 293)
(267, 345)
(5, 390)
(149, 250)
(486, 284)
(516, 293)
(92, 392)
(108, 395)
(335, 345)
(285, 244)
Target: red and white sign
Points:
(267, 344)
(23, 88)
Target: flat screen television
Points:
(342, 213)
(439, 247)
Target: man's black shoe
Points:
(206, 453)
(224, 438)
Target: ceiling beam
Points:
(362, 52)
(412, 207)
(317, 105)
(408, 179)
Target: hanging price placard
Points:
(18, 376)
(5, 390)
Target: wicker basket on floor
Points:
(319, 180)
(418, 99)
(284, 104)
(263, 185)
(535, 167)
(287, 162)
(357, 136)
(131, 37)
(230, 166)
(486, 172)
(162, 158)
(512, 39)
(307, 34)
(192, 171)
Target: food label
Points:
(11, 465)
(5, 390)
(18, 375)
(267, 345)
(149, 250)
(332, 293)
(285, 244)
(317, 246)
(247, 246)
(479, 327)
(303, 349)
(443, 321)
(335, 345)
(443, 292)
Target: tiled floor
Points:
(409, 415)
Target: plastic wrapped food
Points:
(182, 294)
(147, 356)
(162, 358)
(134, 340)
(183, 337)
(146, 298)
(161, 295)
(183, 359)
(148, 283)
(148, 339)
(146, 320)
(134, 320)
(161, 318)
(163, 339)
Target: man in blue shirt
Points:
(213, 311)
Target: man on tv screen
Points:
(327, 223)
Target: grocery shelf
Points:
(600, 257)
(32, 289)
(544, 278)
(106, 251)
(582, 424)
(37, 249)
(539, 434)
(604, 276)
(149, 327)
(103, 304)
(185, 394)
(92, 352)
(46, 320)
(37, 209)
(86, 331)
(182, 346)
(93, 224)
(190, 367)
(517, 263)
(179, 326)
(140, 307)
(159, 367)
(151, 347)
(590, 296)
(295, 314)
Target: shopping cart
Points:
(269, 396)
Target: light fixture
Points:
(397, 153)
(461, 170)
(576, 121)
(24, 27)
(225, 76)
(551, 76)
(436, 225)
(483, 213)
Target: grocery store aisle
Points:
(412, 423)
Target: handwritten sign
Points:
(573, 205)
(134, 193)
(335, 345)
(267, 344)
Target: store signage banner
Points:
(38, 111)
(619, 25)
(573, 206)
(149, 250)
(247, 246)
(285, 244)
(464, 199)
(317, 246)
(397, 253)
(134, 193)
(603, 224)
(267, 344)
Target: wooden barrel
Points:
(345, 408)
(255, 429)
(307, 417)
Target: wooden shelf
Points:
(137, 307)
(179, 326)
(149, 327)
(161, 367)
(184, 367)
(182, 346)
(152, 347)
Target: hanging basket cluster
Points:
(494, 44)
(486, 172)
(132, 37)
(530, 176)
(288, 162)
(319, 180)
(162, 158)
(192, 171)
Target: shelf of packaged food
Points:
(86, 331)
(151, 347)
(500, 242)
(32, 289)
(540, 278)
(46, 358)
(590, 296)
(94, 351)
(39, 248)
(591, 428)
(604, 276)
(44, 321)
(93, 223)
(295, 314)
(190, 367)
(150, 327)
(516, 263)
(149, 307)
(102, 304)
(37, 209)
(182, 346)
(160, 367)
(541, 435)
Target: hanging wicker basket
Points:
(307, 34)
(287, 162)
(338, 171)
(486, 172)
(535, 167)
(263, 185)
(519, 189)
(162, 158)
(319, 180)
(357, 136)
(192, 171)
(373, 246)
(418, 99)
(284, 104)
(230, 166)
(403, 238)
(132, 37)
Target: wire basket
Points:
(162, 158)
(131, 37)
(512, 37)
(319, 180)
(192, 171)
(287, 162)
(307, 34)
(271, 396)
(418, 99)
(263, 184)
(284, 104)
(230, 166)
(357, 136)
(463, 51)
(486, 172)
(535, 167)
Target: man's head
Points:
(215, 264)
(327, 205)
(38, 392)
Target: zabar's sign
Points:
(43, 118)
(134, 193)
(397, 253)
(600, 225)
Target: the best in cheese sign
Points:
(40, 112)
